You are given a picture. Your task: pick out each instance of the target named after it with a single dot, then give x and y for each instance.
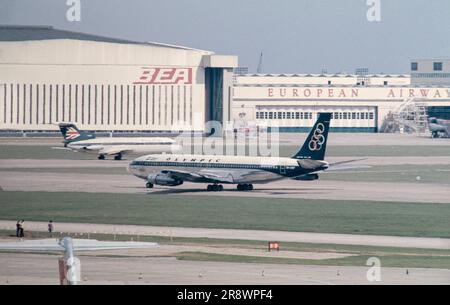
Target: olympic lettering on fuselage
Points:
(317, 138)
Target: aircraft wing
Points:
(78, 245)
(202, 176)
(217, 176)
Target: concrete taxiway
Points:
(319, 189)
(43, 269)
(261, 235)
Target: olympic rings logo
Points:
(317, 138)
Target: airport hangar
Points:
(113, 85)
(104, 84)
(359, 103)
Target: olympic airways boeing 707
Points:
(173, 170)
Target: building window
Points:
(134, 105)
(371, 116)
(82, 104)
(109, 105)
(102, 104)
(414, 66)
(89, 104)
(146, 103)
(166, 101)
(153, 104)
(50, 104)
(121, 104)
(140, 105)
(115, 104)
(385, 83)
(128, 104)
(37, 105)
(178, 103)
(31, 102)
(70, 102)
(437, 66)
(95, 103)
(18, 104)
(57, 103)
(24, 103)
(76, 103)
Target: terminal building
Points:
(359, 103)
(103, 84)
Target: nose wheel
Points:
(245, 187)
(149, 185)
(214, 188)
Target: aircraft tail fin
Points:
(316, 142)
(71, 133)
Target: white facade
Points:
(430, 71)
(292, 101)
(104, 86)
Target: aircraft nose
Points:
(131, 168)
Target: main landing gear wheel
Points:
(245, 187)
(214, 188)
(101, 157)
(118, 157)
(149, 185)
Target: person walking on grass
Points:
(18, 228)
(21, 229)
(50, 228)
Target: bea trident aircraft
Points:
(173, 170)
(83, 141)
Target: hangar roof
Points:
(30, 33)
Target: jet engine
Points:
(307, 177)
(162, 179)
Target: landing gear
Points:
(214, 188)
(101, 157)
(149, 185)
(118, 157)
(245, 187)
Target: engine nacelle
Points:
(162, 179)
(308, 177)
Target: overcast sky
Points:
(295, 36)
